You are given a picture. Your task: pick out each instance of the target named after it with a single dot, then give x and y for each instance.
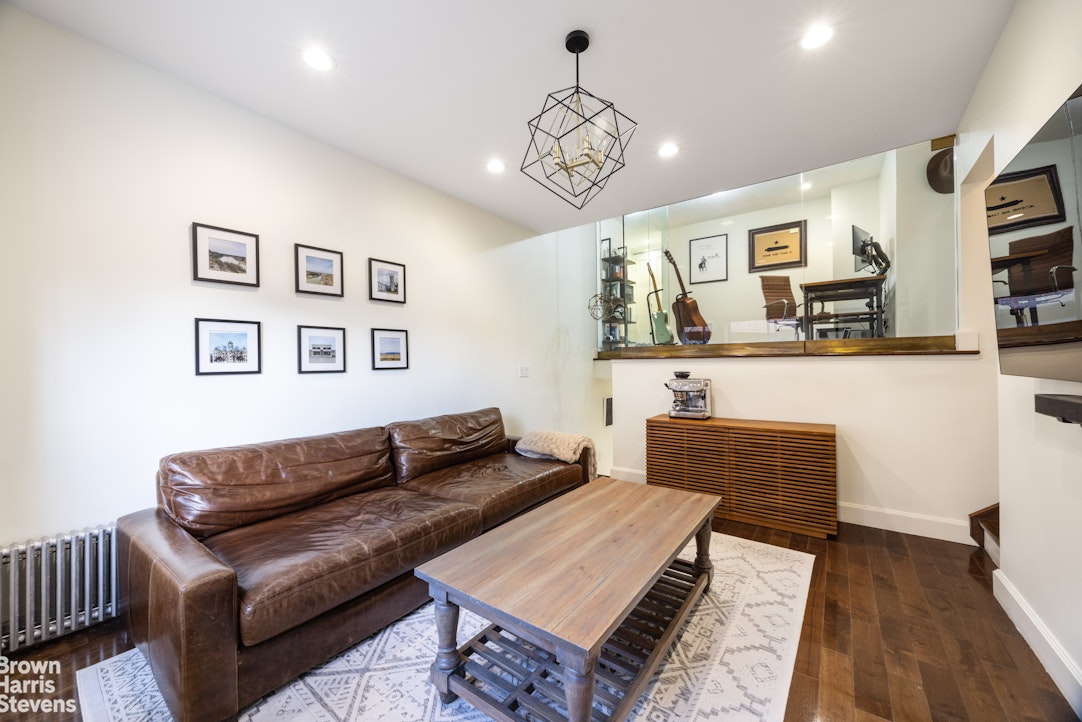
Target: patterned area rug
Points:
(733, 659)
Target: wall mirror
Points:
(1034, 237)
(868, 244)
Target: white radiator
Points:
(51, 587)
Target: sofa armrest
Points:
(180, 603)
(583, 461)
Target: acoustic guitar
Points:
(690, 325)
(658, 327)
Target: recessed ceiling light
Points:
(817, 36)
(496, 166)
(668, 150)
(319, 59)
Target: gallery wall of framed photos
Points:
(232, 346)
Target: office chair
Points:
(782, 310)
(1043, 278)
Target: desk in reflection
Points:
(861, 288)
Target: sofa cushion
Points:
(208, 492)
(501, 485)
(293, 568)
(440, 441)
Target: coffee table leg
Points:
(448, 658)
(702, 552)
(579, 687)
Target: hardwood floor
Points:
(897, 627)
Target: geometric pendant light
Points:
(577, 140)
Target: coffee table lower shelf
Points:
(510, 678)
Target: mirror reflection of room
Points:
(819, 255)
(1034, 235)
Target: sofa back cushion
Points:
(441, 441)
(212, 491)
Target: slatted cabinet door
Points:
(772, 473)
(682, 456)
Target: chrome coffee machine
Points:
(691, 397)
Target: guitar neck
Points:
(683, 291)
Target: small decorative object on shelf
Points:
(691, 396)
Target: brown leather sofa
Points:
(262, 561)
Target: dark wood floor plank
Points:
(907, 700)
(909, 587)
(836, 702)
(871, 692)
(941, 690)
(803, 703)
(895, 629)
(1028, 667)
(837, 618)
(973, 682)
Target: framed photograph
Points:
(390, 349)
(1024, 198)
(224, 256)
(386, 281)
(227, 347)
(782, 246)
(709, 259)
(318, 270)
(321, 350)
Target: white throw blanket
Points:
(558, 445)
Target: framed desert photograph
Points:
(386, 281)
(782, 246)
(321, 350)
(227, 347)
(317, 270)
(709, 259)
(224, 256)
(390, 349)
(1023, 199)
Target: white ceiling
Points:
(433, 89)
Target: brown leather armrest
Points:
(180, 602)
(584, 462)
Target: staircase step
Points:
(984, 523)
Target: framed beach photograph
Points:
(227, 347)
(220, 255)
(386, 281)
(709, 259)
(782, 246)
(317, 270)
(321, 350)
(390, 349)
(1024, 198)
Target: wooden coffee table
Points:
(585, 595)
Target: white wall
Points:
(105, 165)
(913, 433)
(1036, 64)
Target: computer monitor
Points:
(862, 249)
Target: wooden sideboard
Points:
(772, 473)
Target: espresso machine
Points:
(691, 397)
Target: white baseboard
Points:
(639, 477)
(1063, 670)
(935, 527)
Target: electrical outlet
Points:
(523, 371)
